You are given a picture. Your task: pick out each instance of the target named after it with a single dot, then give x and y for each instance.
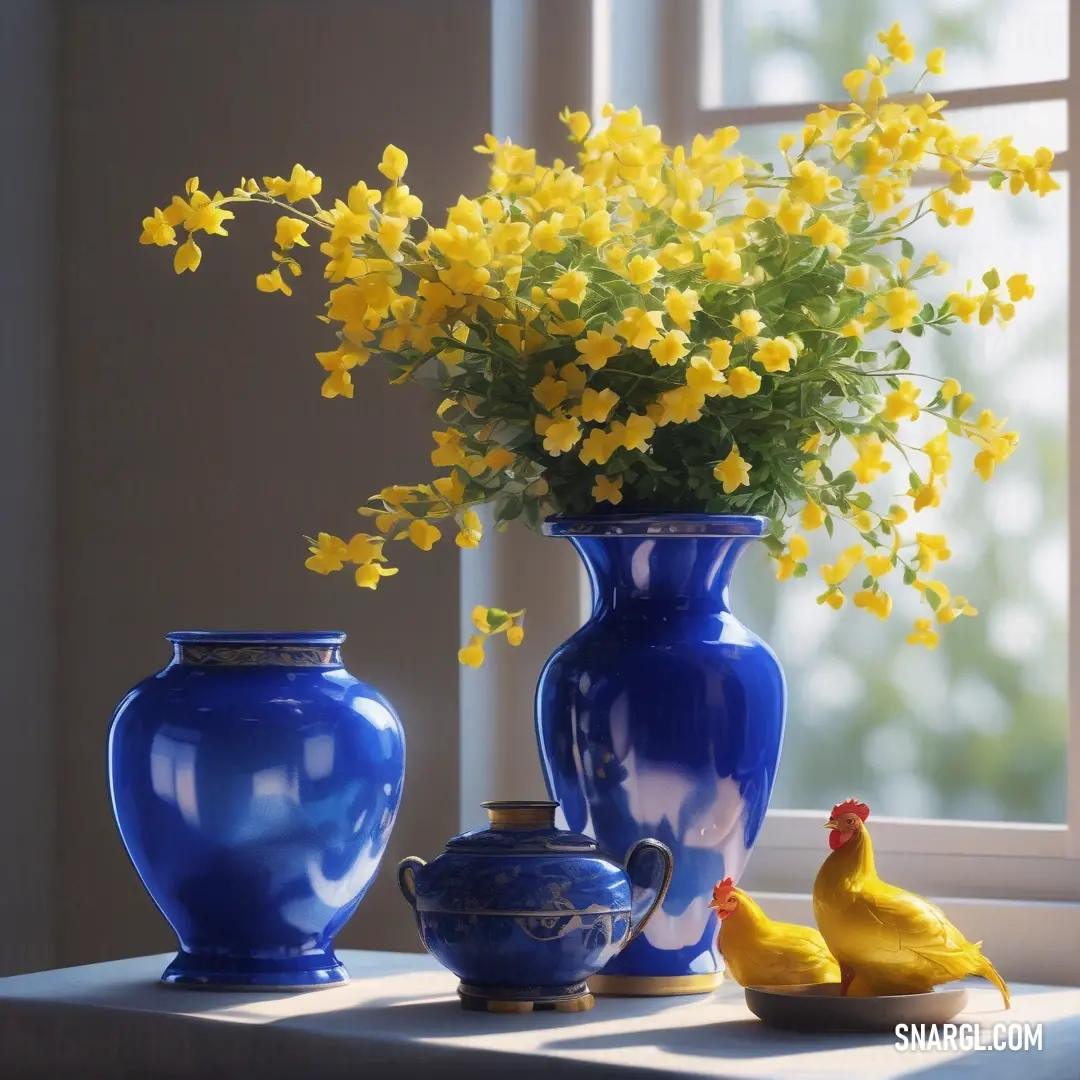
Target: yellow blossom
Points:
(598, 446)
(471, 530)
(369, 575)
(545, 236)
(733, 472)
(596, 228)
(290, 231)
(302, 184)
(157, 230)
(834, 597)
(790, 214)
(858, 277)
(570, 286)
(721, 265)
(638, 328)
(898, 45)
(562, 435)
(188, 256)
(848, 560)
(935, 61)
(812, 516)
(743, 382)
(596, 405)
(1019, 288)
(878, 565)
(748, 324)
(608, 489)
(719, 353)
(635, 433)
(902, 306)
(811, 183)
(641, 270)
(272, 282)
(598, 347)
(923, 634)
(550, 392)
(328, 554)
(671, 348)
(394, 163)
(900, 404)
(776, 354)
(472, 655)
(876, 603)
(681, 306)
(788, 563)
(871, 462)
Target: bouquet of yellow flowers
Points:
(663, 328)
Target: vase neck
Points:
(202, 648)
(678, 574)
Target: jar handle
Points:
(406, 878)
(641, 850)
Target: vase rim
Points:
(659, 525)
(256, 637)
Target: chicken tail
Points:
(988, 971)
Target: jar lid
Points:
(522, 827)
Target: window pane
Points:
(977, 727)
(775, 51)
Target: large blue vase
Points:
(663, 717)
(255, 783)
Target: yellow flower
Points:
(848, 560)
(578, 123)
(719, 353)
(290, 231)
(858, 277)
(570, 286)
(733, 472)
(950, 611)
(471, 530)
(635, 433)
(790, 214)
(369, 575)
(933, 548)
(302, 184)
(672, 255)
(640, 270)
(833, 597)
(776, 354)
(812, 516)
(157, 230)
(898, 45)
(811, 183)
(550, 392)
(871, 462)
(923, 634)
(598, 447)
(877, 603)
(596, 228)
(1019, 288)
(703, 378)
(450, 449)
(878, 565)
(562, 435)
(682, 405)
(515, 635)
(935, 61)
(937, 449)
(961, 403)
(900, 404)
(391, 233)
(722, 265)
(681, 307)
(928, 495)
(394, 163)
(788, 563)
(597, 406)
(825, 231)
(608, 489)
(748, 323)
(902, 306)
(472, 655)
(598, 347)
(671, 348)
(272, 282)
(639, 328)
(423, 535)
(187, 257)
(743, 382)
(328, 553)
(949, 389)
(545, 236)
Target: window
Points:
(970, 754)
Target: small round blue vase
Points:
(255, 783)
(663, 716)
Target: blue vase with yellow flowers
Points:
(255, 783)
(663, 717)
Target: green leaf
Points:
(903, 359)
(932, 599)
(829, 526)
(861, 499)
(846, 480)
(914, 481)
(991, 279)
(907, 248)
(996, 179)
(776, 527)
(868, 581)
(800, 570)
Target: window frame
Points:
(954, 857)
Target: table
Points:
(400, 1017)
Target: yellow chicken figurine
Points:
(760, 952)
(886, 940)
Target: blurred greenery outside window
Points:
(976, 729)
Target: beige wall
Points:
(194, 449)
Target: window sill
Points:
(400, 1017)
(1029, 941)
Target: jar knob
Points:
(521, 814)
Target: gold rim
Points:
(509, 815)
(655, 985)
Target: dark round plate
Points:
(821, 1008)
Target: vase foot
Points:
(498, 999)
(194, 972)
(655, 985)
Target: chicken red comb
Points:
(725, 886)
(851, 806)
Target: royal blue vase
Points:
(524, 913)
(663, 716)
(255, 783)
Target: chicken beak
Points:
(831, 824)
